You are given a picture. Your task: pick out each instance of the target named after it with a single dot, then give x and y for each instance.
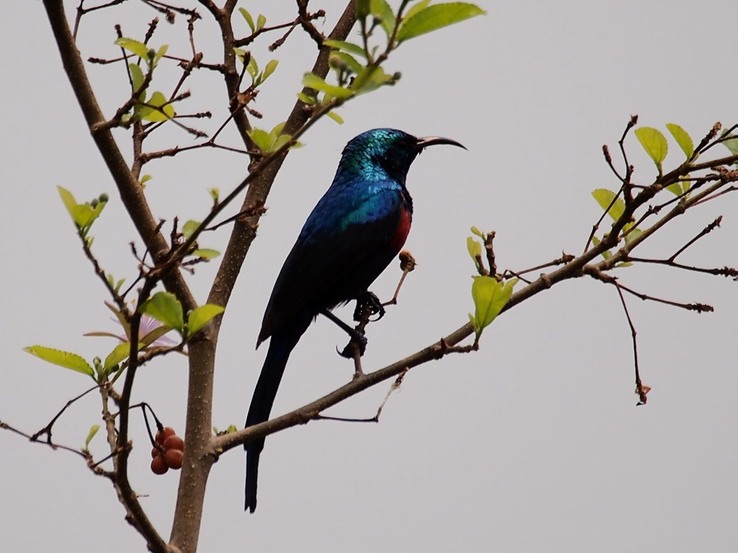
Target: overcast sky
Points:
(534, 443)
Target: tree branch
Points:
(199, 454)
(130, 190)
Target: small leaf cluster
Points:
(654, 143)
(270, 141)
(490, 297)
(162, 307)
(83, 215)
(420, 19)
(255, 26)
(656, 146)
(165, 308)
(155, 108)
(357, 68)
(266, 141)
(189, 228)
(252, 68)
(489, 292)
(614, 205)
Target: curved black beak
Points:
(433, 140)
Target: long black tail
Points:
(281, 345)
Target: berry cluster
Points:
(168, 451)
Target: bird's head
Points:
(387, 152)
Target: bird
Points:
(354, 231)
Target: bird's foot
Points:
(356, 346)
(368, 303)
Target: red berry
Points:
(158, 465)
(173, 458)
(174, 442)
(155, 452)
(164, 433)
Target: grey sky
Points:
(532, 444)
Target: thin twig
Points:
(46, 430)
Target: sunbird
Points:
(353, 233)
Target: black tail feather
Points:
(281, 345)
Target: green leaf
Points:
(304, 98)
(68, 200)
(350, 62)
(165, 308)
(607, 254)
(435, 17)
(349, 47)
(138, 48)
(90, 216)
(240, 53)
(474, 248)
(415, 9)
(675, 188)
(654, 142)
(83, 215)
(277, 129)
(157, 109)
(120, 353)
(731, 143)
(206, 253)
(682, 138)
(607, 199)
(91, 434)
(61, 358)
(160, 53)
(249, 20)
(153, 336)
(370, 79)
(201, 316)
(252, 68)
(681, 187)
(144, 179)
(121, 319)
(269, 69)
(263, 140)
(311, 80)
(231, 428)
(489, 296)
(596, 242)
(476, 231)
(260, 22)
(137, 77)
(337, 118)
(102, 334)
(189, 227)
(382, 10)
(283, 139)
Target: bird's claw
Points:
(370, 302)
(356, 345)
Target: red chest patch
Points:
(402, 230)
